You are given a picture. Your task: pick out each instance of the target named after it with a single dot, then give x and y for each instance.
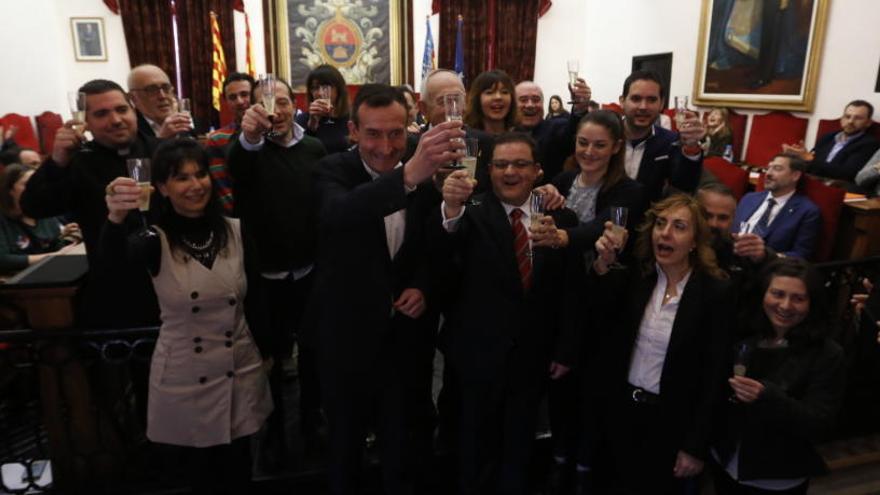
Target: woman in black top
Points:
(788, 382)
(25, 240)
(327, 122)
(555, 108)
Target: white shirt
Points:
(633, 159)
(780, 204)
(451, 224)
(395, 223)
(732, 469)
(298, 133)
(156, 126)
(649, 354)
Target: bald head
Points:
(530, 103)
(435, 86)
(151, 92)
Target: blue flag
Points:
(428, 58)
(459, 50)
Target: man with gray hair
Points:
(153, 97)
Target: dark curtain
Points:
(145, 24)
(516, 38)
(474, 35)
(516, 35)
(150, 39)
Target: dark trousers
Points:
(497, 433)
(220, 469)
(642, 454)
(389, 394)
(285, 302)
(725, 485)
(564, 408)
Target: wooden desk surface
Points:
(866, 207)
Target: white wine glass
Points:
(619, 216)
(267, 92)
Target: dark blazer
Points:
(356, 281)
(692, 373)
(847, 162)
(663, 164)
(145, 129)
(495, 326)
(777, 433)
(555, 139)
(795, 229)
(626, 192)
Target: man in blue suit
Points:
(656, 157)
(786, 221)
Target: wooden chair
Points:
(25, 137)
(769, 132)
(728, 174)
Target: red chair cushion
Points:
(48, 124)
(670, 112)
(25, 137)
(769, 132)
(614, 107)
(737, 124)
(826, 126)
(730, 175)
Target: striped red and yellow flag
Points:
(249, 48)
(219, 73)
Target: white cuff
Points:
(450, 224)
(251, 147)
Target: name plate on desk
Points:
(46, 289)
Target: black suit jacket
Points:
(495, 326)
(555, 138)
(692, 377)
(847, 162)
(145, 129)
(663, 164)
(626, 192)
(356, 280)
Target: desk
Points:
(858, 235)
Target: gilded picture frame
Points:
(365, 39)
(760, 53)
(89, 43)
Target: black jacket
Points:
(847, 162)
(804, 387)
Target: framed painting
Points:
(88, 39)
(760, 53)
(367, 40)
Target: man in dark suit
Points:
(840, 155)
(555, 137)
(512, 321)
(153, 97)
(656, 157)
(788, 222)
(372, 304)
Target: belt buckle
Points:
(637, 395)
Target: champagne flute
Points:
(139, 169)
(574, 66)
(267, 86)
(325, 90)
(619, 215)
(184, 106)
(77, 102)
(681, 107)
(536, 202)
(471, 152)
(453, 104)
(740, 363)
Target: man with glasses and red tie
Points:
(512, 321)
(153, 97)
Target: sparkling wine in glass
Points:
(574, 66)
(681, 107)
(77, 102)
(267, 87)
(471, 151)
(139, 170)
(184, 106)
(453, 104)
(618, 231)
(325, 90)
(740, 363)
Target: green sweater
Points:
(18, 240)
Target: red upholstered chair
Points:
(48, 124)
(728, 174)
(25, 137)
(826, 126)
(829, 199)
(670, 112)
(614, 107)
(769, 132)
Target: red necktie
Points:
(521, 248)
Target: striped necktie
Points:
(521, 248)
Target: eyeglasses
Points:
(154, 89)
(517, 164)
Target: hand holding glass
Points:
(326, 93)
(618, 231)
(139, 170)
(267, 93)
(574, 66)
(77, 102)
(681, 108)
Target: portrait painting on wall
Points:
(760, 53)
(88, 39)
(361, 38)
